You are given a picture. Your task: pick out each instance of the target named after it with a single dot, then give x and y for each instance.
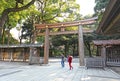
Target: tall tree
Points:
(54, 10)
(27, 29)
(10, 6)
(50, 11)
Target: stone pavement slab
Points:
(54, 72)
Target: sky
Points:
(86, 6)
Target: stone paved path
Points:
(54, 72)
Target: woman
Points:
(70, 61)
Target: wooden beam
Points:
(65, 32)
(66, 24)
(112, 24)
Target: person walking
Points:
(62, 60)
(70, 61)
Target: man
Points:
(62, 60)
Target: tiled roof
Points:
(106, 42)
(110, 22)
(20, 46)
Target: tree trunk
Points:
(74, 49)
(87, 44)
(3, 35)
(89, 51)
(8, 41)
(2, 20)
(97, 51)
(20, 38)
(4, 17)
(66, 49)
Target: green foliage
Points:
(65, 43)
(40, 39)
(13, 13)
(53, 10)
(100, 7)
(10, 39)
(48, 11)
(27, 29)
(4, 4)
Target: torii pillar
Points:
(46, 46)
(81, 46)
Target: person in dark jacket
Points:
(62, 60)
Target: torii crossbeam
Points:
(67, 24)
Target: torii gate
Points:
(46, 27)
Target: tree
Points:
(100, 7)
(50, 10)
(54, 10)
(27, 30)
(11, 7)
(59, 42)
(87, 41)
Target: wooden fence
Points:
(113, 56)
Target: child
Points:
(62, 60)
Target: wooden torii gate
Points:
(46, 27)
